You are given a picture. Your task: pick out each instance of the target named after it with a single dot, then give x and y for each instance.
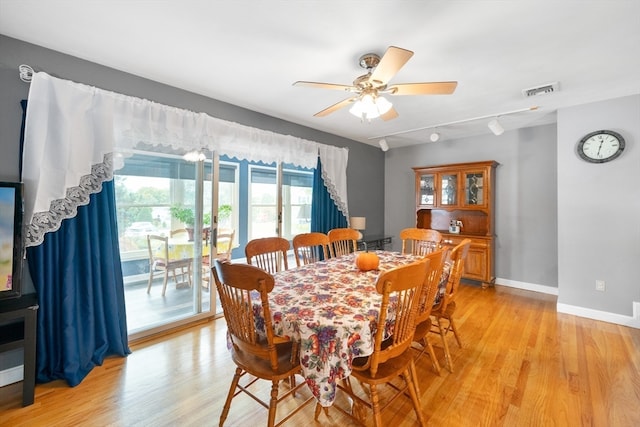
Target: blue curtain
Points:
(325, 215)
(77, 275)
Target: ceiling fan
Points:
(367, 102)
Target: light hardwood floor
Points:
(522, 364)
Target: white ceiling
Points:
(249, 53)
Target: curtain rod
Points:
(456, 122)
(26, 73)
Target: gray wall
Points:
(560, 221)
(598, 210)
(525, 193)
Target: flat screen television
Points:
(11, 245)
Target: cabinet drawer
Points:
(451, 241)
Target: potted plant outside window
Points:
(187, 217)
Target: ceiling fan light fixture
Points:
(369, 107)
(496, 127)
(383, 105)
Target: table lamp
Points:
(358, 223)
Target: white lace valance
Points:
(72, 128)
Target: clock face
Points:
(601, 146)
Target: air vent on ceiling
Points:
(541, 90)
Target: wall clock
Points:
(601, 146)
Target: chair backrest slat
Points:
(224, 241)
(401, 288)
(343, 241)
(235, 283)
(430, 286)
(420, 241)
(153, 245)
(457, 259)
(310, 247)
(268, 253)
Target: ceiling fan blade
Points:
(345, 88)
(390, 63)
(433, 88)
(334, 107)
(391, 114)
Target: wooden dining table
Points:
(330, 308)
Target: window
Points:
(263, 196)
(297, 189)
(150, 188)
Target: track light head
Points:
(435, 137)
(496, 127)
(383, 145)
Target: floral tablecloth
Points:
(331, 308)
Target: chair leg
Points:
(232, 389)
(447, 355)
(455, 332)
(166, 279)
(150, 279)
(375, 406)
(414, 374)
(273, 404)
(432, 355)
(320, 408)
(358, 412)
(412, 380)
(175, 276)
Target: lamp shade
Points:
(358, 222)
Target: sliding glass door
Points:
(164, 194)
(156, 194)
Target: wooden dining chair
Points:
(343, 241)
(268, 253)
(392, 357)
(179, 233)
(267, 357)
(310, 247)
(158, 247)
(443, 311)
(419, 241)
(224, 246)
(429, 291)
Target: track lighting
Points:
(494, 124)
(496, 127)
(383, 145)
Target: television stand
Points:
(18, 330)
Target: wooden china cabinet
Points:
(460, 194)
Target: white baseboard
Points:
(589, 313)
(527, 286)
(604, 316)
(11, 375)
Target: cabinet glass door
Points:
(449, 186)
(426, 192)
(474, 191)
